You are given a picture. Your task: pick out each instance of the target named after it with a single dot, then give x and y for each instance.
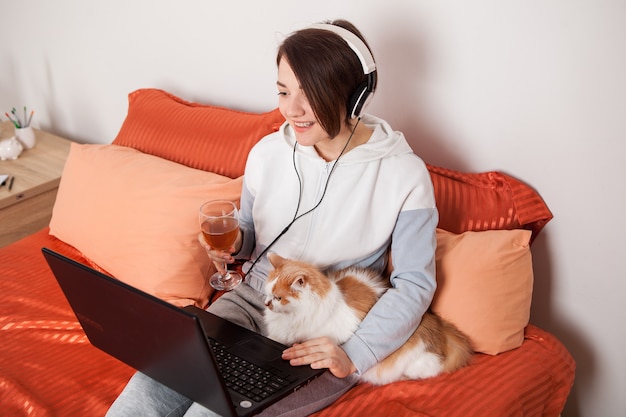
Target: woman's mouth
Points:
(301, 126)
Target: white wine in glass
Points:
(219, 221)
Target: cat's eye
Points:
(277, 298)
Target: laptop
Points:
(225, 367)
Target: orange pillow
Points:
(206, 137)
(486, 201)
(135, 216)
(484, 286)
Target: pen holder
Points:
(26, 135)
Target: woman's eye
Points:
(282, 93)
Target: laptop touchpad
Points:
(258, 348)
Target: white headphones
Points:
(365, 90)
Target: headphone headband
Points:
(361, 96)
(354, 42)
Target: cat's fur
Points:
(303, 303)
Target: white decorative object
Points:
(10, 148)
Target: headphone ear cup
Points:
(358, 100)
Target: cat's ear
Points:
(299, 283)
(275, 259)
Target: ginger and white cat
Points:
(303, 303)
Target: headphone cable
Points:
(296, 216)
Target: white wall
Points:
(536, 88)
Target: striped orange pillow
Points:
(210, 138)
(486, 201)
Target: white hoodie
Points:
(380, 193)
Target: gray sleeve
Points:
(399, 311)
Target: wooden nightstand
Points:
(27, 208)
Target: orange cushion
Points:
(486, 201)
(484, 286)
(135, 215)
(206, 137)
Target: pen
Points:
(19, 122)
(25, 119)
(14, 122)
(11, 182)
(30, 118)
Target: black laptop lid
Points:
(143, 332)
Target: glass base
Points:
(225, 282)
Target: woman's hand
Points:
(217, 256)
(320, 353)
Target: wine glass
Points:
(219, 221)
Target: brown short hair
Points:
(328, 71)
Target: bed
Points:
(128, 209)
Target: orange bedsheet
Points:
(48, 367)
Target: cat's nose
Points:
(268, 302)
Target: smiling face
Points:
(295, 108)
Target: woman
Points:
(334, 189)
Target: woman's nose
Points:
(295, 107)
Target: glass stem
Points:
(226, 273)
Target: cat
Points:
(303, 303)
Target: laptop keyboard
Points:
(244, 377)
